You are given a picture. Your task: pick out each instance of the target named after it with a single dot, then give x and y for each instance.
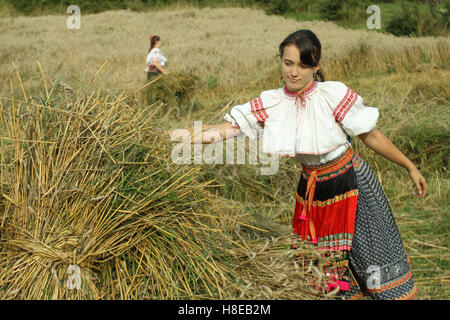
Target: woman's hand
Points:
(419, 182)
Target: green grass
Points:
(388, 12)
(303, 16)
(425, 235)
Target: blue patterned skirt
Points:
(378, 261)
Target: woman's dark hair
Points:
(309, 46)
(153, 40)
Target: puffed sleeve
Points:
(349, 110)
(250, 116)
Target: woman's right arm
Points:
(206, 134)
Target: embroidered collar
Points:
(305, 93)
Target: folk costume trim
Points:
(306, 93)
(300, 97)
(392, 284)
(258, 111)
(344, 105)
(325, 203)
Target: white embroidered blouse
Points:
(312, 127)
(155, 55)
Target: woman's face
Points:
(296, 75)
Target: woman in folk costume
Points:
(155, 58)
(340, 205)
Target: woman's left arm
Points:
(378, 142)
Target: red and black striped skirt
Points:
(325, 207)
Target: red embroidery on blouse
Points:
(344, 105)
(258, 109)
(308, 91)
